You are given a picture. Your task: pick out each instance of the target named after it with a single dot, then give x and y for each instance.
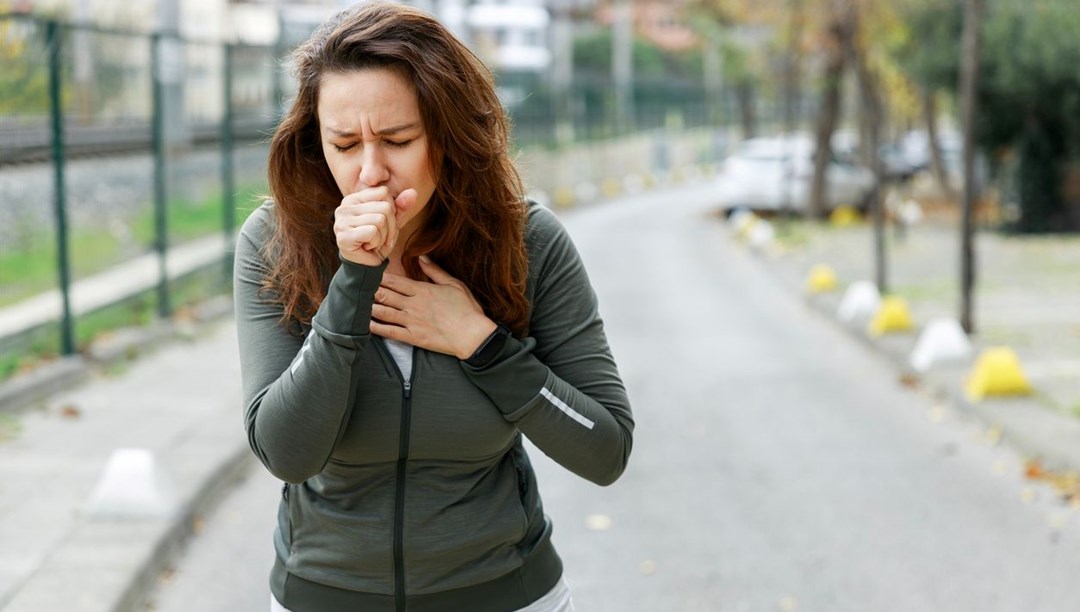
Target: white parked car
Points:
(774, 174)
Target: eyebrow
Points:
(390, 131)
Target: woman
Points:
(404, 318)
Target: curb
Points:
(115, 564)
(173, 542)
(1029, 428)
(22, 392)
(35, 387)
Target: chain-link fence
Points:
(123, 152)
(134, 156)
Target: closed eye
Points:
(399, 144)
(343, 148)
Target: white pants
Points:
(556, 600)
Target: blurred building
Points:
(657, 21)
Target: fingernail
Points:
(425, 259)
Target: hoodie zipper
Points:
(399, 497)
(399, 488)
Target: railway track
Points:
(27, 144)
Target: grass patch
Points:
(941, 290)
(42, 344)
(792, 233)
(30, 272)
(10, 427)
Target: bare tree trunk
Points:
(872, 118)
(839, 33)
(792, 66)
(791, 93)
(937, 166)
(745, 92)
(969, 85)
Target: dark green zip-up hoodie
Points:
(417, 494)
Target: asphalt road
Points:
(778, 463)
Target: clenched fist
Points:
(366, 224)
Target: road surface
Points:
(778, 464)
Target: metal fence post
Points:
(161, 237)
(56, 109)
(228, 179)
(279, 50)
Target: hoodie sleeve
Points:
(560, 386)
(297, 389)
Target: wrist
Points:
(478, 335)
(488, 350)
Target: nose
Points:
(373, 168)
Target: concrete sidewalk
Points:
(181, 403)
(92, 293)
(1028, 298)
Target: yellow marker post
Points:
(564, 197)
(822, 279)
(611, 187)
(844, 216)
(892, 316)
(997, 372)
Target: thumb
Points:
(405, 200)
(434, 272)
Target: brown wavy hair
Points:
(475, 220)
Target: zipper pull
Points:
(408, 388)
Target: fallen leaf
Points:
(167, 575)
(909, 380)
(1033, 469)
(70, 411)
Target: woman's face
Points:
(372, 135)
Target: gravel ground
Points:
(108, 193)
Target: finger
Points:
(386, 314)
(435, 273)
(393, 332)
(403, 202)
(371, 194)
(401, 284)
(377, 220)
(360, 238)
(352, 210)
(389, 297)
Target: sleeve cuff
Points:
(513, 379)
(345, 313)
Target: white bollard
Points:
(131, 487)
(741, 222)
(859, 304)
(762, 235)
(910, 213)
(942, 341)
